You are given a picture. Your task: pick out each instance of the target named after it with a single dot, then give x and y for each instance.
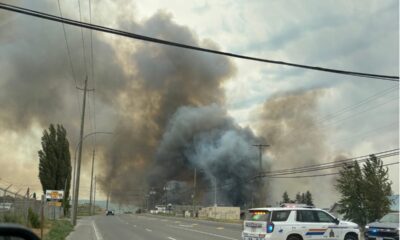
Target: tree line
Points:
(302, 198)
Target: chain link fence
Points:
(25, 209)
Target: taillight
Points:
(270, 227)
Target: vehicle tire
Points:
(294, 237)
(350, 236)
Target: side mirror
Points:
(336, 221)
(14, 231)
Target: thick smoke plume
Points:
(207, 139)
(165, 79)
(289, 124)
(165, 105)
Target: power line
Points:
(67, 45)
(92, 68)
(326, 174)
(180, 45)
(70, 61)
(364, 111)
(367, 133)
(282, 173)
(334, 164)
(83, 41)
(357, 105)
(315, 167)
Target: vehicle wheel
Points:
(294, 237)
(350, 237)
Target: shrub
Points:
(33, 218)
(12, 218)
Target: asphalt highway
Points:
(148, 227)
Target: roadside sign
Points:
(54, 197)
(55, 204)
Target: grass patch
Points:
(59, 230)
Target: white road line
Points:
(96, 231)
(180, 225)
(134, 225)
(171, 238)
(205, 233)
(149, 230)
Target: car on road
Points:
(386, 228)
(110, 212)
(296, 223)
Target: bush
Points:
(33, 218)
(59, 230)
(12, 218)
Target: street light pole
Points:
(74, 185)
(91, 185)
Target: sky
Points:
(352, 116)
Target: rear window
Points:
(259, 215)
(280, 216)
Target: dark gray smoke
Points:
(207, 139)
(163, 80)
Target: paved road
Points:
(146, 227)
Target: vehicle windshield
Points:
(390, 218)
(258, 216)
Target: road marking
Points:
(96, 231)
(220, 228)
(185, 225)
(177, 221)
(134, 225)
(149, 230)
(205, 233)
(171, 238)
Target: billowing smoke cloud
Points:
(288, 122)
(164, 79)
(207, 139)
(165, 106)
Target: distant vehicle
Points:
(296, 223)
(386, 228)
(109, 212)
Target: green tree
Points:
(55, 162)
(308, 198)
(285, 197)
(364, 192)
(350, 186)
(298, 198)
(378, 188)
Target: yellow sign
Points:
(55, 204)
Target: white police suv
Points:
(296, 223)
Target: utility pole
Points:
(194, 192)
(108, 199)
(215, 191)
(261, 147)
(78, 164)
(91, 185)
(94, 196)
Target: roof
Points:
(394, 207)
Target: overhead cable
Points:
(186, 46)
